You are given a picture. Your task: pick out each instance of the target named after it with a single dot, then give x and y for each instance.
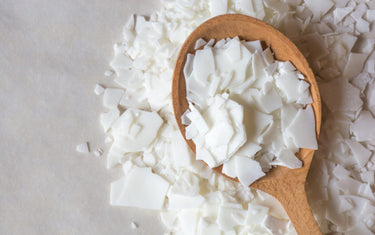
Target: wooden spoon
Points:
(286, 185)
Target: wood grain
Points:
(286, 185)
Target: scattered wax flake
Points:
(361, 154)
(340, 13)
(83, 148)
(107, 119)
(108, 73)
(361, 81)
(345, 98)
(360, 126)
(134, 225)
(218, 7)
(125, 136)
(319, 7)
(98, 89)
(134, 190)
(302, 129)
(112, 97)
(98, 152)
(108, 139)
(354, 65)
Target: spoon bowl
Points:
(286, 185)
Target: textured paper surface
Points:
(52, 53)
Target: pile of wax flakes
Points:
(336, 36)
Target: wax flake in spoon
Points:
(248, 92)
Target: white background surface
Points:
(52, 53)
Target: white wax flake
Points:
(146, 125)
(361, 154)
(83, 148)
(108, 73)
(134, 225)
(112, 96)
(98, 89)
(319, 7)
(360, 127)
(247, 170)
(199, 43)
(218, 7)
(302, 129)
(107, 119)
(354, 65)
(347, 97)
(141, 188)
(340, 13)
(98, 152)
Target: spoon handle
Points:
(294, 200)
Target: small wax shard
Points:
(83, 148)
(99, 89)
(302, 129)
(218, 7)
(198, 44)
(98, 152)
(112, 97)
(141, 188)
(108, 73)
(134, 225)
(107, 119)
(360, 127)
(135, 129)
